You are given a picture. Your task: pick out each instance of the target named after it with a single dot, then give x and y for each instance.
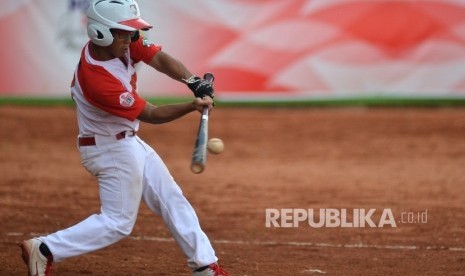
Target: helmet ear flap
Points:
(99, 34)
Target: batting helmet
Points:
(104, 15)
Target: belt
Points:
(90, 141)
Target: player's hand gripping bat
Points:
(199, 157)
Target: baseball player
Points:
(109, 111)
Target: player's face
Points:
(121, 42)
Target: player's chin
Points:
(117, 53)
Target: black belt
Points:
(90, 141)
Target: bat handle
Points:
(205, 113)
(209, 77)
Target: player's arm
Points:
(166, 113)
(175, 69)
(170, 66)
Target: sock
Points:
(201, 268)
(43, 248)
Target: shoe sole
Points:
(25, 255)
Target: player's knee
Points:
(120, 228)
(124, 228)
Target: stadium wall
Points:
(261, 49)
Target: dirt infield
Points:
(408, 161)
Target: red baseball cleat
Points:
(211, 270)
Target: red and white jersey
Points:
(105, 92)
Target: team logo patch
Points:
(126, 99)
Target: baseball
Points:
(215, 145)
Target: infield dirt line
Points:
(310, 244)
(288, 243)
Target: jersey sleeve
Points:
(143, 50)
(108, 93)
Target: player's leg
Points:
(119, 171)
(163, 196)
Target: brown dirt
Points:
(407, 160)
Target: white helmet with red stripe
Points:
(104, 15)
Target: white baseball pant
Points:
(128, 170)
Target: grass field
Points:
(368, 101)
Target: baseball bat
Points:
(199, 157)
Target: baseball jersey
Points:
(105, 92)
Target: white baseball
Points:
(215, 145)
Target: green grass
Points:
(37, 101)
(32, 101)
(348, 102)
(354, 102)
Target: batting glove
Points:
(200, 87)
